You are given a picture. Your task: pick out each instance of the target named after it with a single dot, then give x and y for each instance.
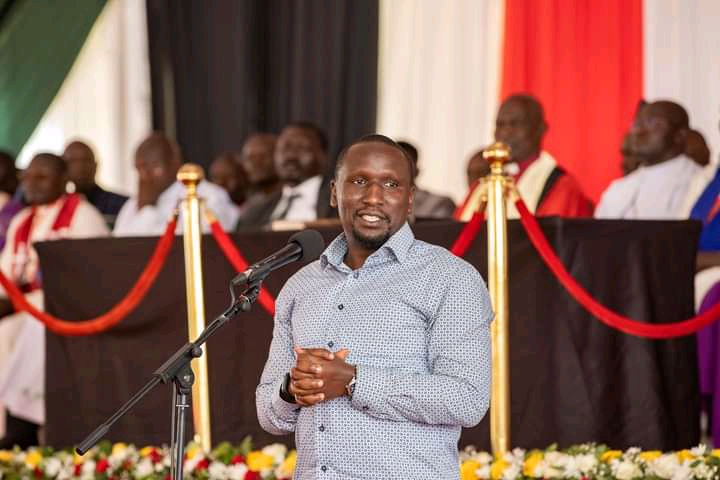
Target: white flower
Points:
(682, 472)
(700, 451)
(191, 463)
(484, 458)
(626, 470)
(144, 468)
(52, 466)
(553, 465)
(217, 470)
(586, 463)
(632, 452)
(237, 472)
(277, 450)
(665, 465)
(702, 470)
(483, 472)
(512, 472)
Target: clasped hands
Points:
(319, 375)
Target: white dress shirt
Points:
(151, 220)
(656, 192)
(304, 201)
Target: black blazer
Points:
(258, 215)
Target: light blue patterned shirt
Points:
(416, 320)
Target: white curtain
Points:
(682, 60)
(439, 73)
(105, 100)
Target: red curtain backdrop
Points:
(583, 59)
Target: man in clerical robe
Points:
(546, 188)
(662, 188)
(51, 215)
(157, 161)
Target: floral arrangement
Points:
(591, 462)
(275, 462)
(126, 462)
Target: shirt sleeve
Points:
(147, 221)
(457, 390)
(88, 223)
(276, 416)
(227, 212)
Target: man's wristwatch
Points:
(285, 390)
(350, 387)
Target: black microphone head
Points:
(311, 243)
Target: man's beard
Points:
(371, 243)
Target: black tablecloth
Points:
(573, 379)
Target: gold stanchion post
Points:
(190, 175)
(497, 182)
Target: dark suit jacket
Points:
(257, 214)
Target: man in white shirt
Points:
(52, 215)
(300, 161)
(662, 188)
(157, 161)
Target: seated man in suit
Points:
(51, 215)
(546, 188)
(82, 168)
(157, 160)
(300, 162)
(662, 187)
(258, 161)
(226, 171)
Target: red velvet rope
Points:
(602, 313)
(237, 261)
(113, 316)
(468, 234)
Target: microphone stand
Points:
(176, 369)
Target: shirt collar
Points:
(398, 245)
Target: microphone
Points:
(304, 246)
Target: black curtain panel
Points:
(221, 70)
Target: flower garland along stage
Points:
(275, 462)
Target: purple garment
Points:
(709, 356)
(7, 213)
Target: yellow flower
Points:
(6, 456)
(531, 463)
(33, 458)
(257, 461)
(77, 459)
(610, 455)
(650, 455)
(287, 467)
(193, 450)
(118, 448)
(497, 469)
(716, 452)
(145, 451)
(468, 469)
(685, 455)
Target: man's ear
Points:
(680, 138)
(412, 199)
(333, 194)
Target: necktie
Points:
(288, 204)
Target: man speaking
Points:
(381, 348)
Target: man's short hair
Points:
(55, 161)
(376, 138)
(532, 106)
(315, 129)
(411, 150)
